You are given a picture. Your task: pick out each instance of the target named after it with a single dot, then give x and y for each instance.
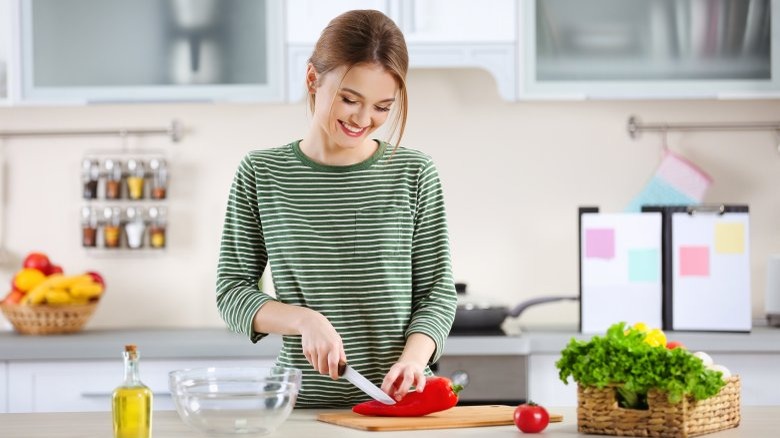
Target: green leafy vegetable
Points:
(622, 357)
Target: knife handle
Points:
(342, 368)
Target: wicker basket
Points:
(48, 320)
(599, 413)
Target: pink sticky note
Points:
(694, 261)
(600, 243)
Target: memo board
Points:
(620, 257)
(707, 261)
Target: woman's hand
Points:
(322, 345)
(402, 375)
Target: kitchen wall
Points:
(514, 175)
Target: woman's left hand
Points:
(403, 375)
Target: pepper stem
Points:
(456, 388)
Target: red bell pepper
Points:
(439, 394)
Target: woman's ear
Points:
(311, 78)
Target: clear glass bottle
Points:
(157, 226)
(113, 178)
(159, 181)
(135, 178)
(90, 174)
(131, 403)
(88, 227)
(134, 227)
(111, 228)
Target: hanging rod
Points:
(175, 131)
(635, 126)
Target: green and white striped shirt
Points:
(366, 245)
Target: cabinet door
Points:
(76, 386)
(3, 387)
(307, 18)
(113, 50)
(5, 48)
(458, 21)
(650, 48)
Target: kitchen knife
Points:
(364, 384)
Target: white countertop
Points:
(221, 343)
(756, 422)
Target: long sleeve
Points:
(433, 290)
(242, 255)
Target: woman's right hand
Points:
(322, 345)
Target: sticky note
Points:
(643, 265)
(694, 261)
(730, 238)
(600, 243)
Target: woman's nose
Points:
(363, 117)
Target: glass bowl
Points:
(232, 402)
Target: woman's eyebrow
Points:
(349, 90)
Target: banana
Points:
(58, 297)
(66, 281)
(86, 290)
(38, 293)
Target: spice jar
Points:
(113, 218)
(90, 173)
(135, 178)
(159, 181)
(88, 227)
(113, 178)
(157, 225)
(134, 227)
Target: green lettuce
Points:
(622, 357)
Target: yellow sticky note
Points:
(730, 238)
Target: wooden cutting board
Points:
(459, 416)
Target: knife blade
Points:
(364, 384)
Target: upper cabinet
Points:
(650, 48)
(150, 50)
(439, 33)
(5, 49)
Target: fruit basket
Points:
(47, 319)
(598, 413)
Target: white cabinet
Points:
(439, 34)
(3, 387)
(74, 386)
(5, 49)
(116, 51)
(649, 49)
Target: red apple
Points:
(13, 297)
(37, 260)
(54, 269)
(97, 277)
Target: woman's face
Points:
(347, 111)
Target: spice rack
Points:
(125, 196)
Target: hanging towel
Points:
(677, 181)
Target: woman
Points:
(354, 229)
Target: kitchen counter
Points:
(221, 343)
(756, 422)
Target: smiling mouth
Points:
(351, 130)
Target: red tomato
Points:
(531, 418)
(97, 277)
(671, 345)
(37, 260)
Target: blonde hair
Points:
(365, 37)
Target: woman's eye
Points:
(382, 108)
(348, 100)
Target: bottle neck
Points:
(132, 376)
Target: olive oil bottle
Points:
(131, 403)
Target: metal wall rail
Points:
(635, 126)
(174, 131)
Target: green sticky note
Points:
(730, 238)
(643, 265)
